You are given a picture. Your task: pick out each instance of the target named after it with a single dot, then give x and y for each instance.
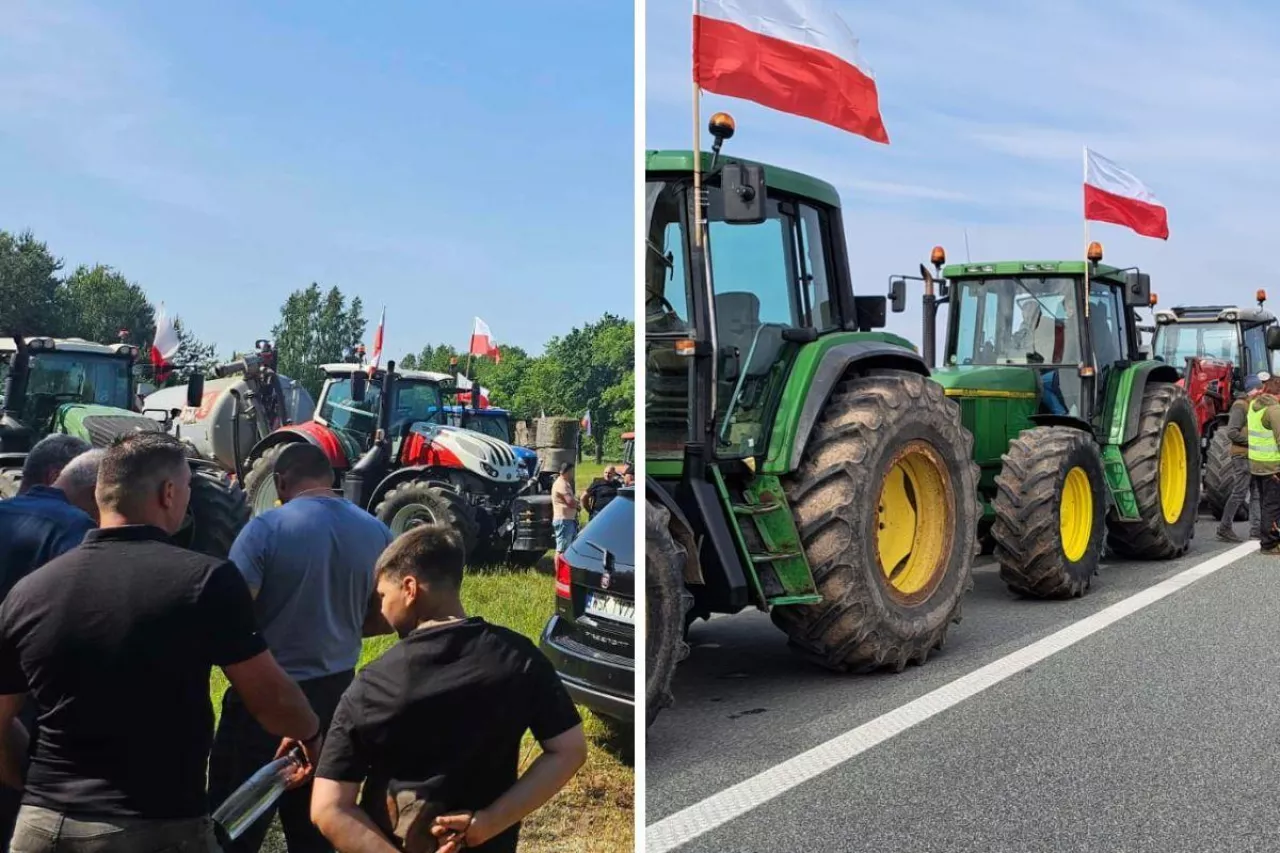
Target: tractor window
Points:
(1255, 346)
(1106, 325)
(416, 402)
(57, 378)
(1014, 321)
(341, 413)
(494, 426)
(754, 270)
(822, 310)
(1176, 342)
(666, 300)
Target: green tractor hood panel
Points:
(100, 425)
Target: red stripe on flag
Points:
(1149, 220)
(732, 60)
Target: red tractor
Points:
(385, 433)
(1215, 347)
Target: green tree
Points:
(97, 303)
(315, 329)
(29, 286)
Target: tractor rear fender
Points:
(1046, 420)
(1126, 408)
(681, 530)
(818, 369)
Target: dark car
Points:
(591, 637)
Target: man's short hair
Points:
(134, 466)
(50, 455)
(432, 553)
(302, 461)
(566, 467)
(81, 473)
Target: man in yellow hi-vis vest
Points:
(1264, 460)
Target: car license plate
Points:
(610, 607)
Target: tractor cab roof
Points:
(1031, 268)
(776, 177)
(40, 343)
(343, 369)
(1213, 314)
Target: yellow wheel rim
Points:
(1075, 514)
(1173, 473)
(915, 521)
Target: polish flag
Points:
(482, 341)
(1114, 195)
(586, 422)
(164, 347)
(796, 56)
(377, 341)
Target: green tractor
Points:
(74, 386)
(1083, 443)
(797, 460)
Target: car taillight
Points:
(562, 577)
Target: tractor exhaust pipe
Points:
(15, 381)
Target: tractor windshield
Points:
(1174, 343)
(767, 278)
(494, 426)
(1014, 321)
(56, 378)
(415, 401)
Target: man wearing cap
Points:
(1264, 461)
(1243, 486)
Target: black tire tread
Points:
(667, 604)
(219, 509)
(449, 507)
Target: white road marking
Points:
(704, 816)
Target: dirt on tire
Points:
(862, 623)
(1151, 537)
(1028, 530)
(667, 602)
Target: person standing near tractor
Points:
(309, 567)
(564, 508)
(1264, 461)
(1243, 486)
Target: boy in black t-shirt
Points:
(433, 727)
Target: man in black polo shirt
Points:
(433, 727)
(114, 641)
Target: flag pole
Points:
(697, 132)
(1087, 281)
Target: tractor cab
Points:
(351, 404)
(55, 373)
(1222, 332)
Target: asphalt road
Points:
(1153, 734)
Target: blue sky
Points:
(988, 106)
(448, 159)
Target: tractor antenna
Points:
(967, 259)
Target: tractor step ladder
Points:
(771, 546)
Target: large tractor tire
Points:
(10, 482)
(419, 502)
(1164, 467)
(667, 603)
(1219, 477)
(215, 515)
(1050, 506)
(259, 485)
(885, 500)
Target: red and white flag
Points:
(165, 345)
(796, 56)
(377, 341)
(586, 422)
(482, 341)
(1112, 194)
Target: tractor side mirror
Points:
(871, 311)
(743, 193)
(195, 390)
(359, 386)
(1273, 337)
(1137, 290)
(898, 295)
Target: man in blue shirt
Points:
(310, 567)
(46, 519)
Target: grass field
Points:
(594, 813)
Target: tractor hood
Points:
(100, 425)
(481, 454)
(1008, 381)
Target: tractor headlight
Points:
(489, 469)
